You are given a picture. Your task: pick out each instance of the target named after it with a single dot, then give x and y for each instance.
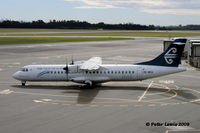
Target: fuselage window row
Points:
(93, 72)
(110, 72)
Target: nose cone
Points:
(15, 75)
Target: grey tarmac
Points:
(114, 107)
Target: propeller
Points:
(66, 67)
(72, 63)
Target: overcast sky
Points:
(157, 12)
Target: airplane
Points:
(93, 72)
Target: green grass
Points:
(131, 34)
(100, 33)
(34, 40)
(116, 33)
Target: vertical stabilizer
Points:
(171, 56)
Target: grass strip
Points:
(34, 40)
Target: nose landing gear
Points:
(23, 83)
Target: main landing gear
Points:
(23, 83)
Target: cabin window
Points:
(104, 72)
(119, 72)
(108, 72)
(55, 72)
(100, 72)
(125, 71)
(115, 72)
(112, 72)
(122, 72)
(94, 72)
(132, 71)
(97, 72)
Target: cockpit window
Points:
(24, 69)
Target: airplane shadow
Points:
(87, 94)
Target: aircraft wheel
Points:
(23, 83)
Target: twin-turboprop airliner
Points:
(93, 72)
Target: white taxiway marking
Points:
(6, 91)
(47, 100)
(179, 128)
(38, 101)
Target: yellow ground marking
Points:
(159, 86)
(80, 105)
(39, 94)
(139, 105)
(54, 103)
(66, 104)
(10, 63)
(107, 105)
(184, 102)
(50, 45)
(113, 100)
(161, 99)
(29, 46)
(93, 105)
(166, 81)
(152, 105)
(159, 93)
(175, 103)
(123, 105)
(141, 97)
(95, 102)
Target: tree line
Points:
(72, 24)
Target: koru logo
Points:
(170, 55)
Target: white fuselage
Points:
(104, 74)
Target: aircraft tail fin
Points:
(171, 56)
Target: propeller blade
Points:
(72, 60)
(66, 67)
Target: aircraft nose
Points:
(15, 75)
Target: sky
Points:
(147, 12)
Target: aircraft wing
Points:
(91, 64)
